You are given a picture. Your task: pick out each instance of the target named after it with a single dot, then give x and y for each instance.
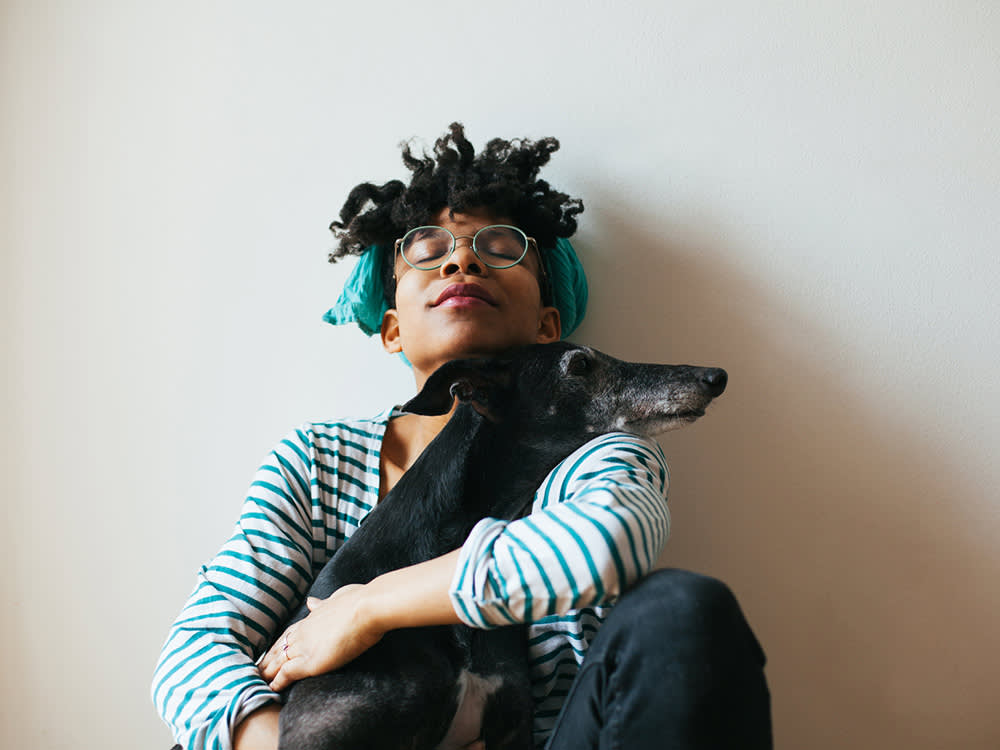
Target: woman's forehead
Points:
(470, 218)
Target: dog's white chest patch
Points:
(473, 691)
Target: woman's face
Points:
(465, 308)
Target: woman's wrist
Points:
(411, 597)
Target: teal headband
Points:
(362, 300)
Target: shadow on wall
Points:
(841, 532)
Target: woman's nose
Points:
(463, 260)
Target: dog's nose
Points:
(715, 378)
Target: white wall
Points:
(805, 193)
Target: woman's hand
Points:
(348, 623)
(335, 632)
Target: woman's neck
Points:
(405, 439)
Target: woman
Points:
(469, 259)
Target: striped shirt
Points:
(598, 523)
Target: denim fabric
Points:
(675, 666)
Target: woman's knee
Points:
(673, 603)
(675, 654)
(679, 596)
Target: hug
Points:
(469, 260)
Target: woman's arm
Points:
(599, 524)
(258, 731)
(300, 505)
(346, 624)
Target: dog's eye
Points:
(578, 364)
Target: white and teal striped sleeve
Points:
(598, 524)
(205, 681)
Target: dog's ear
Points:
(477, 382)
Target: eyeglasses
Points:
(429, 247)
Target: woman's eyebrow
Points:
(423, 232)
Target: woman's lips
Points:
(464, 294)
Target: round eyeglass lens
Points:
(426, 247)
(500, 246)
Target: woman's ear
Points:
(549, 326)
(392, 342)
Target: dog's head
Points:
(563, 388)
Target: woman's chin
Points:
(474, 345)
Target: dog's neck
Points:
(481, 458)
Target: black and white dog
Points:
(518, 416)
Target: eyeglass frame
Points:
(545, 283)
(454, 244)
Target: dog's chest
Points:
(474, 690)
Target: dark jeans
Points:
(674, 666)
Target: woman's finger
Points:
(293, 669)
(328, 638)
(292, 664)
(264, 662)
(270, 664)
(274, 658)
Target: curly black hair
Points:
(502, 178)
